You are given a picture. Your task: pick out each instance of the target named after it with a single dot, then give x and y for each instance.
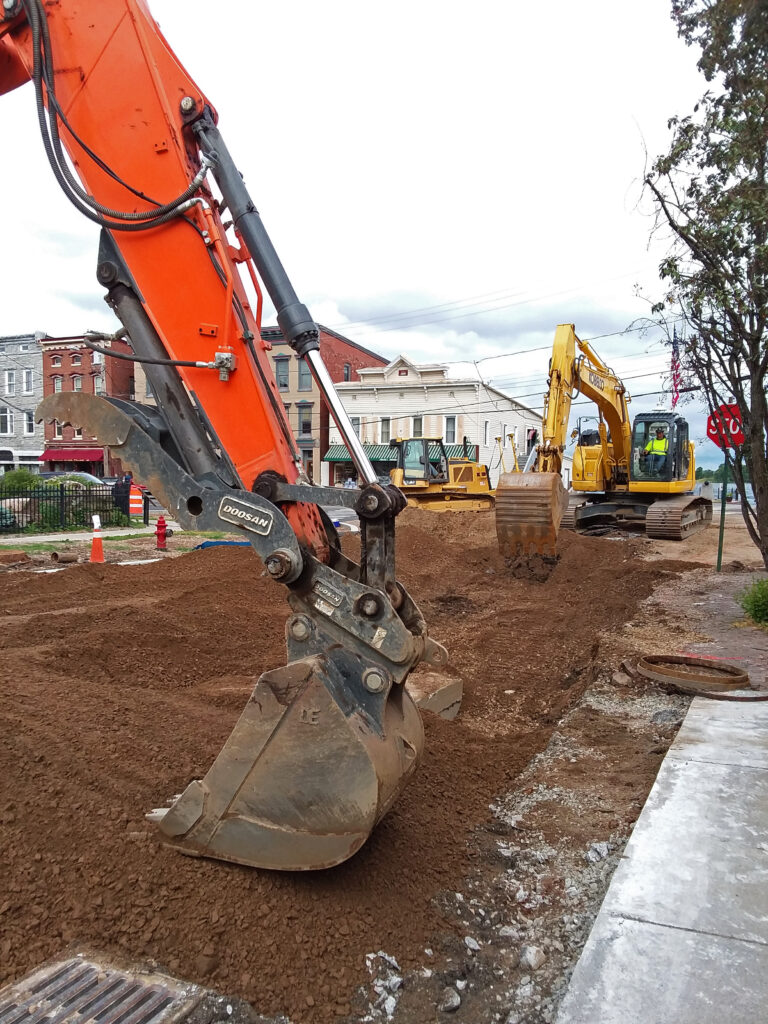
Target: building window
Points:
(76, 360)
(57, 383)
(98, 385)
(347, 371)
(486, 428)
(28, 382)
(6, 421)
(97, 358)
(355, 421)
(385, 427)
(305, 419)
(29, 422)
(58, 433)
(10, 382)
(147, 389)
(504, 437)
(23, 348)
(77, 383)
(78, 435)
(305, 377)
(418, 426)
(287, 413)
(450, 430)
(55, 360)
(281, 373)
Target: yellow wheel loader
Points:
(623, 474)
(430, 479)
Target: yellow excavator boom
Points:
(530, 506)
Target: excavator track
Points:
(677, 518)
(568, 522)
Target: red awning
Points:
(72, 455)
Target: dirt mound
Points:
(121, 684)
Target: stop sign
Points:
(724, 427)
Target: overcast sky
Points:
(441, 179)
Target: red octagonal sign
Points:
(724, 427)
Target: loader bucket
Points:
(529, 507)
(306, 773)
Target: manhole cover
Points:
(80, 990)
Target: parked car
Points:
(77, 475)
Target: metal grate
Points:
(80, 991)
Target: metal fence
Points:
(65, 506)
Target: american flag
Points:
(677, 375)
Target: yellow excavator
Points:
(623, 473)
(430, 479)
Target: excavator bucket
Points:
(529, 508)
(305, 775)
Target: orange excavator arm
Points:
(326, 743)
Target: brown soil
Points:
(121, 684)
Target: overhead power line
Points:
(460, 303)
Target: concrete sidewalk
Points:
(682, 935)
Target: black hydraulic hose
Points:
(54, 131)
(141, 359)
(104, 216)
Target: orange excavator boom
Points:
(326, 743)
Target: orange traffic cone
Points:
(97, 547)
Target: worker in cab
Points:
(656, 452)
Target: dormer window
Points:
(402, 373)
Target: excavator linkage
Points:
(529, 508)
(326, 743)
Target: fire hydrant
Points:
(161, 533)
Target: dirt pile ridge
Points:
(122, 683)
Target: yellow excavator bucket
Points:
(529, 508)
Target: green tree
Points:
(711, 190)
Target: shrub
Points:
(754, 601)
(19, 480)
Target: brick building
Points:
(69, 365)
(307, 413)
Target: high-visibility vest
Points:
(658, 445)
(136, 501)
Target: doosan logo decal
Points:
(258, 520)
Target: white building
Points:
(404, 399)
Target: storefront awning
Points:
(72, 455)
(383, 453)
